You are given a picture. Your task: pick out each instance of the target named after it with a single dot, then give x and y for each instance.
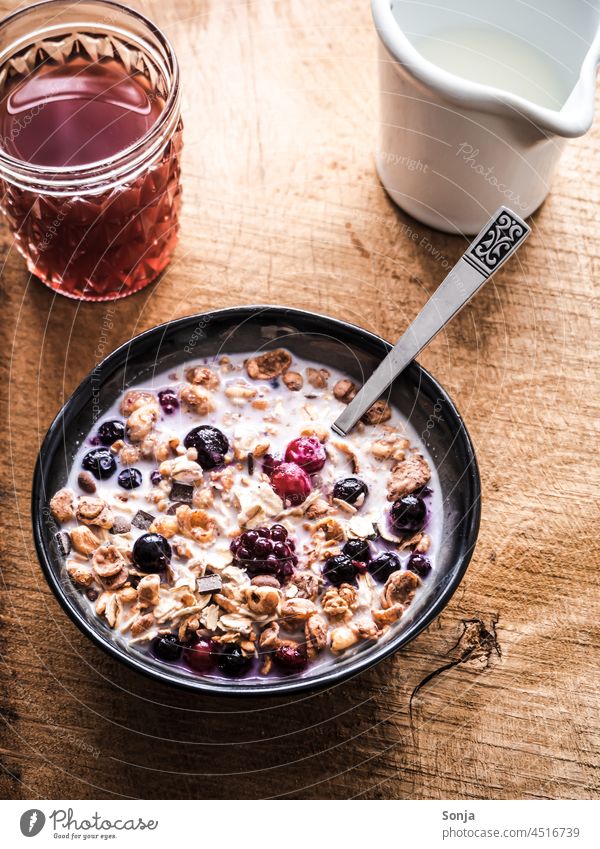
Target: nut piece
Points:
(376, 414)
(62, 505)
(83, 540)
(389, 446)
(203, 376)
(345, 390)
(317, 377)
(387, 617)
(197, 400)
(315, 632)
(409, 475)
(129, 455)
(107, 561)
(269, 639)
(263, 601)
(80, 574)
(195, 524)
(134, 399)
(340, 602)
(317, 508)
(165, 525)
(86, 482)
(293, 381)
(147, 591)
(241, 392)
(308, 584)
(181, 470)
(400, 588)
(269, 365)
(342, 638)
(142, 420)
(295, 611)
(93, 511)
(265, 581)
(142, 624)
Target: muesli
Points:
(214, 520)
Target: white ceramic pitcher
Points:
(451, 150)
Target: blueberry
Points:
(110, 431)
(167, 647)
(232, 661)
(210, 443)
(339, 569)
(130, 478)
(382, 566)
(408, 514)
(100, 462)
(151, 553)
(350, 490)
(419, 564)
(358, 549)
(155, 477)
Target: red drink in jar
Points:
(90, 143)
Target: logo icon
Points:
(32, 822)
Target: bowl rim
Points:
(280, 687)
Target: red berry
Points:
(291, 656)
(307, 452)
(201, 656)
(291, 483)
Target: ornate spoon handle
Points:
(490, 249)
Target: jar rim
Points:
(124, 159)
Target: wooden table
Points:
(282, 205)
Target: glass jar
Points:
(90, 144)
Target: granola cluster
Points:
(217, 522)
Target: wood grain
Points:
(282, 205)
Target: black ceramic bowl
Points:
(327, 341)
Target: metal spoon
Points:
(494, 244)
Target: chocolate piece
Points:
(209, 584)
(121, 525)
(63, 543)
(142, 520)
(86, 482)
(182, 492)
(250, 460)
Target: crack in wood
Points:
(476, 642)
